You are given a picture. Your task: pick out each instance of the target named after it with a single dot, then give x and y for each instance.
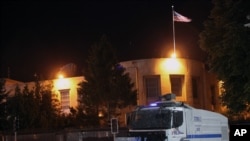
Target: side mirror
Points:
(177, 118)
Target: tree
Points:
(226, 41)
(49, 111)
(34, 108)
(3, 100)
(107, 86)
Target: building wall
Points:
(11, 84)
(68, 86)
(152, 78)
(197, 87)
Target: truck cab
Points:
(169, 120)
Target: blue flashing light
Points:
(153, 104)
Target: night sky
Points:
(41, 37)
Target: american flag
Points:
(179, 18)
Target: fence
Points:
(65, 135)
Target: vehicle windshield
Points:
(154, 118)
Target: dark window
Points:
(152, 87)
(177, 118)
(195, 87)
(150, 119)
(213, 97)
(176, 84)
(79, 96)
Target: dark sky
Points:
(40, 37)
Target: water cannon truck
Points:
(169, 120)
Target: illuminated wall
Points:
(11, 84)
(153, 77)
(185, 77)
(64, 88)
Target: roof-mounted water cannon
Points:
(165, 100)
(168, 97)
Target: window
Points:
(176, 82)
(213, 95)
(65, 100)
(152, 87)
(195, 87)
(79, 96)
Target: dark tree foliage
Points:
(3, 104)
(107, 86)
(49, 110)
(34, 108)
(227, 42)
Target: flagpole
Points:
(173, 30)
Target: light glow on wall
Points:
(62, 83)
(173, 55)
(60, 76)
(171, 65)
